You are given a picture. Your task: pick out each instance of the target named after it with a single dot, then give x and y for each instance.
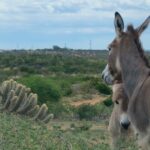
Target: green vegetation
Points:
(22, 134)
(17, 98)
(48, 63)
(47, 90)
(103, 88)
(108, 102)
(59, 78)
(87, 112)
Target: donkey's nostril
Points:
(125, 125)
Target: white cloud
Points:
(77, 30)
(66, 20)
(25, 13)
(50, 7)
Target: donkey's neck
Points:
(133, 69)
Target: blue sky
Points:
(44, 23)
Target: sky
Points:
(67, 23)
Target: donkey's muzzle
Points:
(125, 125)
(106, 75)
(107, 79)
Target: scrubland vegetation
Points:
(59, 78)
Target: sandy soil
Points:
(96, 99)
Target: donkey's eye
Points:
(109, 48)
(117, 102)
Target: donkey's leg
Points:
(114, 129)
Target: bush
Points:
(108, 102)
(87, 112)
(65, 88)
(29, 70)
(72, 125)
(103, 88)
(85, 126)
(99, 86)
(56, 127)
(103, 110)
(60, 110)
(46, 90)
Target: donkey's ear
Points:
(119, 24)
(143, 26)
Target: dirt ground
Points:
(96, 99)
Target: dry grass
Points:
(23, 134)
(94, 100)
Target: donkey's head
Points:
(119, 97)
(124, 42)
(121, 100)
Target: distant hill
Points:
(66, 52)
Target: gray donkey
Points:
(127, 60)
(118, 123)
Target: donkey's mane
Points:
(134, 33)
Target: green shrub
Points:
(87, 112)
(65, 88)
(96, 82)
(56, 127)
(72, 125)
(103, 88)
(103, 110)
(27, 69)
(46, 90)
(60, 110)
(84, 126)
(108, 102)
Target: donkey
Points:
(127, 60)
(118, 123)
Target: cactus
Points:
(13, 103)
(8, 100)
(33, 111)
(48, 118)
(42, 112)
(19, 99)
